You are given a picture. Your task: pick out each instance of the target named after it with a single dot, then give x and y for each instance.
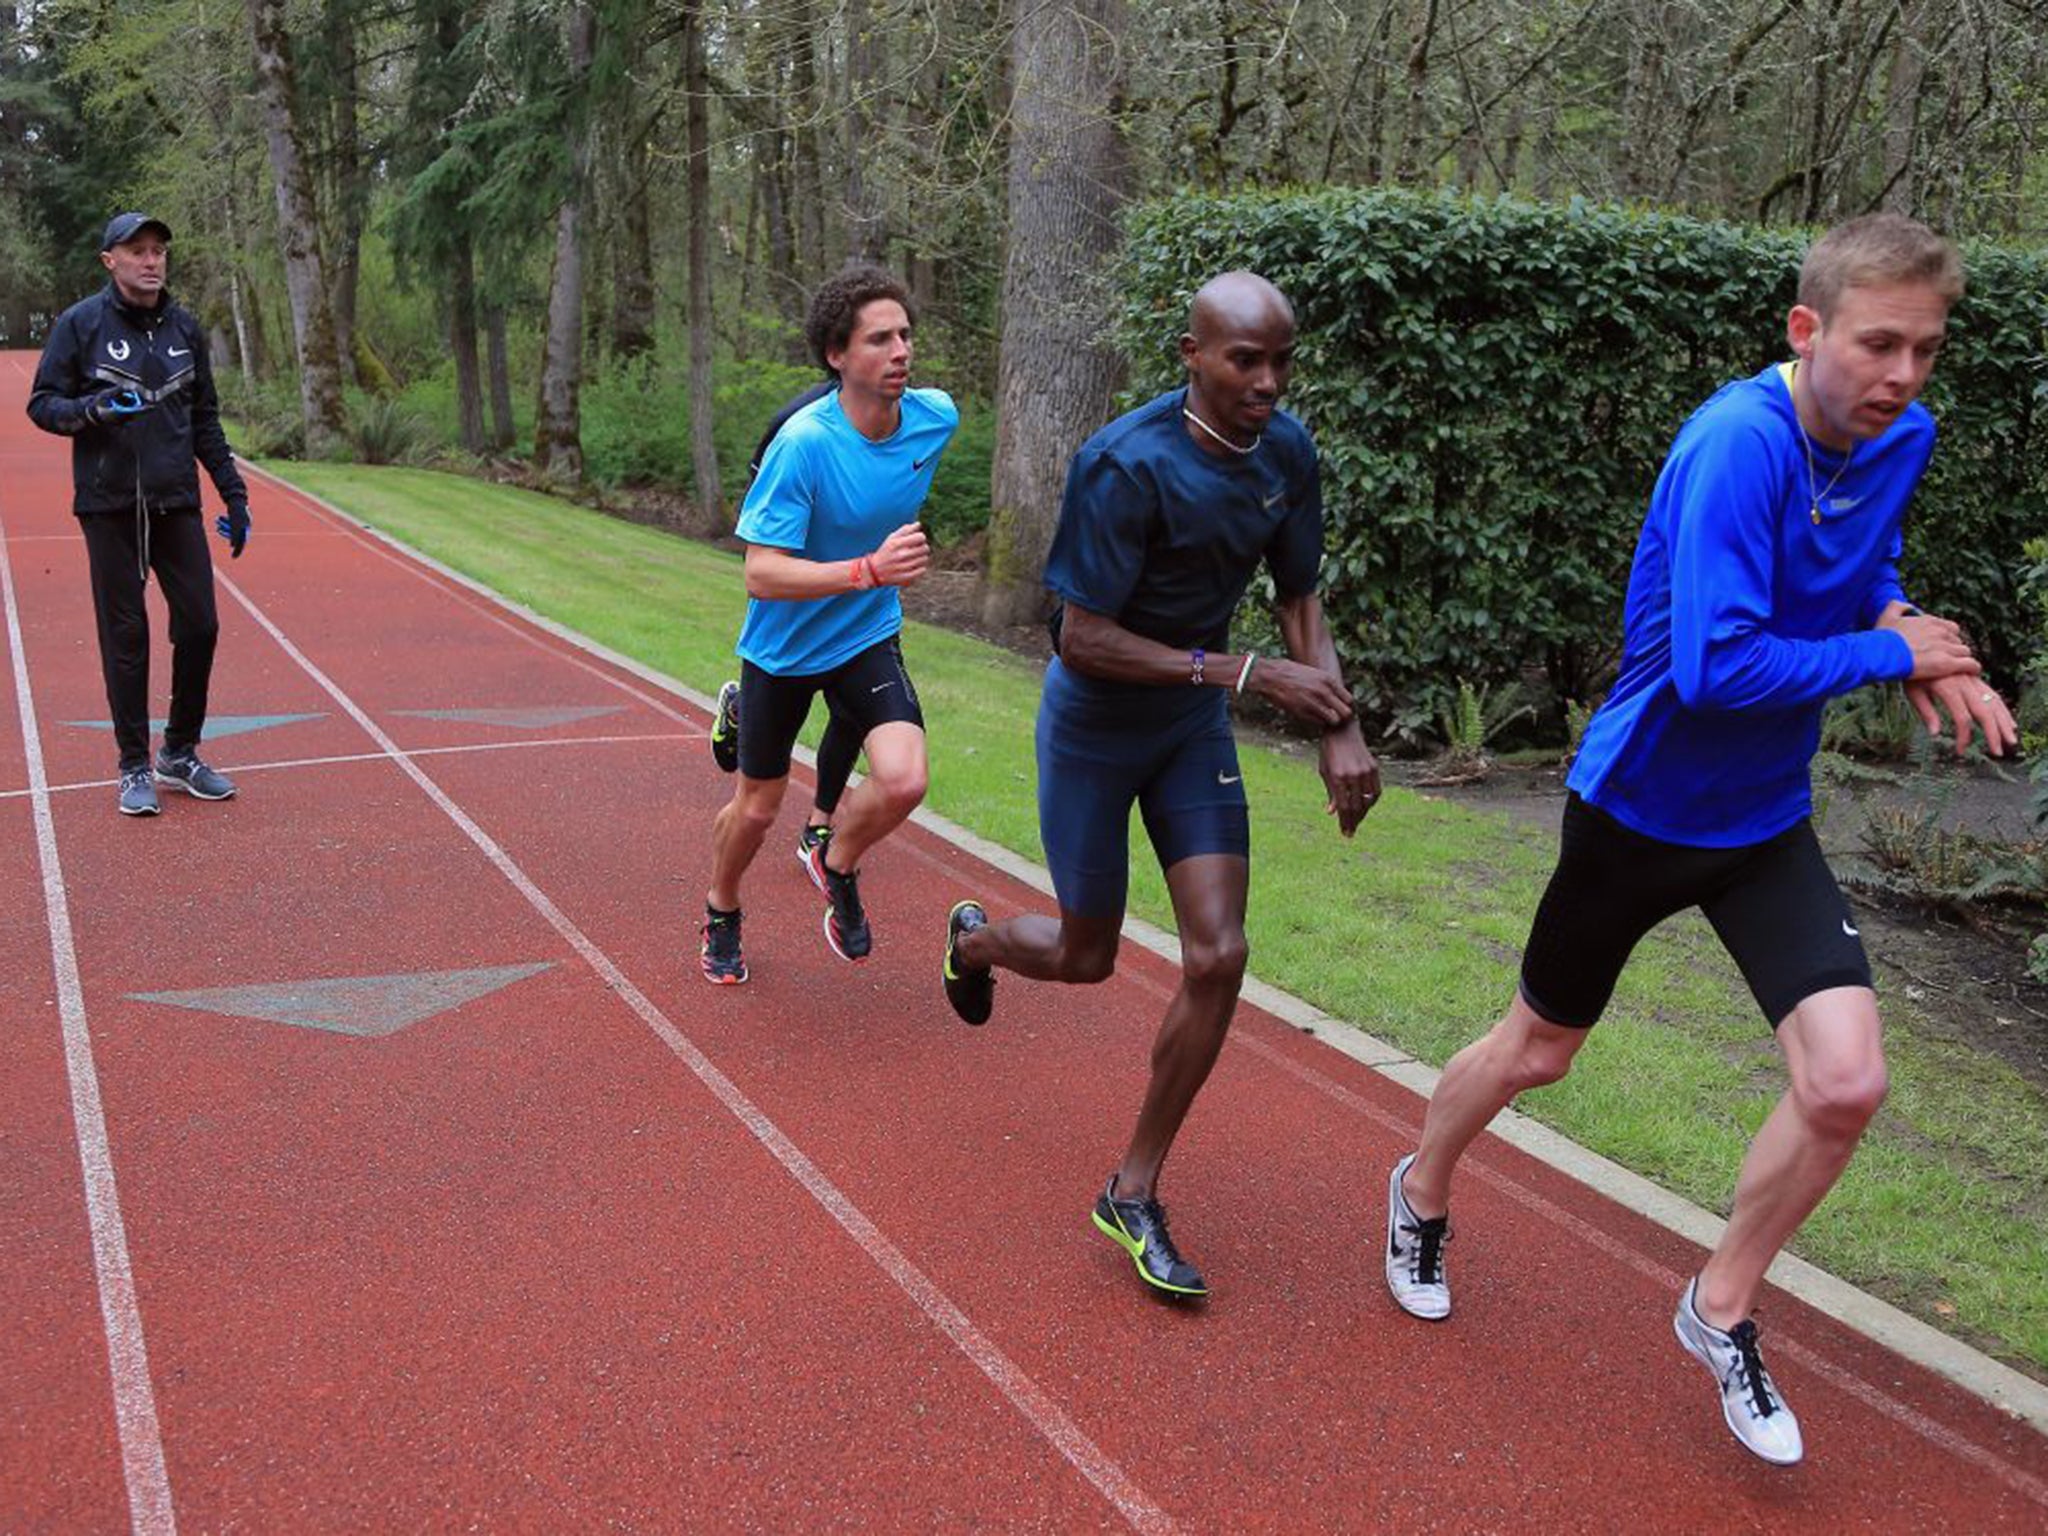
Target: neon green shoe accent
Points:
(1135, 1247)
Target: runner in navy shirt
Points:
(1764, 584)
(1169, 512)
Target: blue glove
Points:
(233, 525)
(114, 405)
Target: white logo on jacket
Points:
(118, 351)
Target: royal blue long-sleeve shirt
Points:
(1745, 616)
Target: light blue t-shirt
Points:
(826, 493)
(1745, 616)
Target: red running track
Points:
(606, 1248)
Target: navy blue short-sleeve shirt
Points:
(1163, 537)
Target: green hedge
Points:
(1493, 385)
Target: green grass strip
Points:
(1413, 930)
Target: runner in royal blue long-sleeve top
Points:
(1765, 583)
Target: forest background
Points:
(574, 239)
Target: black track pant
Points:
(184, 570)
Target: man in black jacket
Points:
(125, 376)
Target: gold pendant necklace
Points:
(1813, 497)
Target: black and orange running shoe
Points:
(724, 965)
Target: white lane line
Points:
(378, 757)
(135, 1421)
(1038, 1407)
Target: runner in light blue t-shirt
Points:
(831, 530)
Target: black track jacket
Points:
(104, 343)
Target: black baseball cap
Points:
(123, 227)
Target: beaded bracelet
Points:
(1195, 659)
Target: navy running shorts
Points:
(1103, 747)
(872, 689)
(1774, 904)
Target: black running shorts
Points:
(870, 690)
(1774, 904)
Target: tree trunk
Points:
(866, 234)
(1901, 190)
(298, 229)
(351, 192)
(469, 394)
(1070, 171)
(499, 366)
(1408, 167)
(697, 136)
(557, 427)
(808, 176)
(633, 254)
(242, 348)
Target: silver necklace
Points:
(1813, 497)
(1226, 442)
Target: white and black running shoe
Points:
(1415, 1254)
(1750, 1400)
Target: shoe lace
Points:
(1749, 1364)
(1152, 1218)
(135, 778)
(1426, 1257)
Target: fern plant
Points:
(1474, 718)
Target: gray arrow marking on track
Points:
(519, 719)
(216, 725)
(365, 1006)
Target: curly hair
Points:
(837, 305)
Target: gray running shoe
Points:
(191, 775)
(138, 793)
(1750, 1400)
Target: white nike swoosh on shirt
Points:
(174, 352)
